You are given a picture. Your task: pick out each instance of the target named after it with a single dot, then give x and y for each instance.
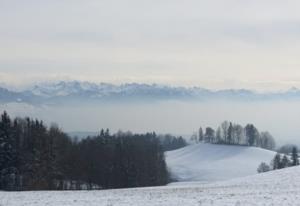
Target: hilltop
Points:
(212, 162)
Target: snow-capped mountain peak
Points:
(63, 88)
(78, 91)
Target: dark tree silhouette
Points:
(295, 158)
(34, 157)
(235, 134)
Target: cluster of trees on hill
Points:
(170, 142)
(281, 161)
(34, 157)
(287, 149)
(235, 134)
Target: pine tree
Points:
(229, 135)
(7, 154)
(209, 135)
(285, 162)
(218, 136)
(251, 134)
(295, 158)
(102, 133)
(276, 162)
(201, 135)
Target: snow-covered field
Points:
(281, 187)
(225, 170)
(210, 162)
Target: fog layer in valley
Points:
(280, 118)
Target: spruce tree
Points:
(7, 154)
(285, 162)
(295, 159)
(201, 135)
(209, 135)
(276, 162)
(230, 132)
(218, 136)
(251, 134)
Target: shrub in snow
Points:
(263, 167)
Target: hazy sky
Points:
(215, 44)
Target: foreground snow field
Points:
(211, 162)
(281, 187)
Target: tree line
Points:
(35, 157)
(235, 134)
(170, 142)
(281, 161)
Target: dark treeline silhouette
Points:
(170, 142)
(235, 134)
(34, 157)
(287, 149)
(281, 161)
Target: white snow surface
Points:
(281, 187)
(212, 162)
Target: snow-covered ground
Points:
(281, 187)
(217, 175)
(211, 162)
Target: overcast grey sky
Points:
(215, 43)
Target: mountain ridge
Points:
(68, 91)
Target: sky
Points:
(214, 43)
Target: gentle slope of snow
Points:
(210, 162)
(277, 188)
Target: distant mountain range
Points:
(79, 92)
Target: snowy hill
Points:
(210, 162)
(277, 188)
